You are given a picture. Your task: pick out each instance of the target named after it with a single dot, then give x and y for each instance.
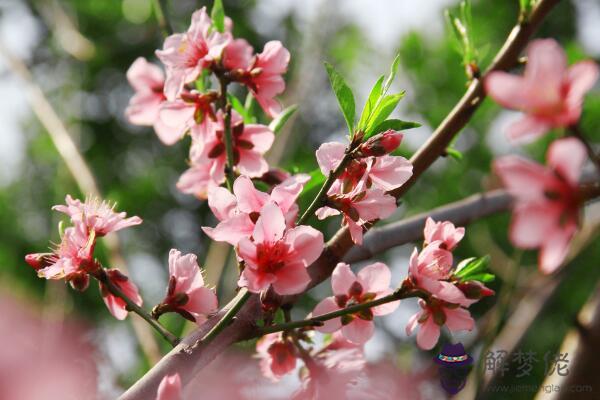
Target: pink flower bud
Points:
(475, 290)
(381, 144)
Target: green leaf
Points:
(282, 118)
(395, 124)
(392, 76)
(239, 107)
(484, 277)
(218, 16)
(344, 96)
(385, 107)
(471, 267)
(371, 103)
(455, 154)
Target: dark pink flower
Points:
(445, 232)
(549, 93)
(371, 283)
(277, 355)
(186, 54)
(432, 317)
(278, 256)
(95, 215)
(148, 81)
(170, 388)
(187, 292)
(116, 305)
(547, 200)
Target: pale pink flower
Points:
(431, 271)
(445, 232)
(239, 211)
(95, 215)
(170, 388)
(186, 54)
(116, 305)
(177, 117)
(148, 81)
(208, 155)
(278, 256)
(547, 200)
(432, 317)
(70, 257)
(549, 92)
(371, 283)
(277, 356)
(187, 292)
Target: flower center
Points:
(271, 256)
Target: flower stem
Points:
(225, 106)
(319, 199)
(575, 131)
(399, 294)
(102, 277)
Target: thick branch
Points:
(339, 245)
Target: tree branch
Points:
(339, 245)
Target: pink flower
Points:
(169, 388)
(432, 317)
(267, 80)
(277, 356)
(278, 256)
(95, 215)
(547, 200)
(187, 294)
(431, 271)
(186, 54)
(70, 257)
(208, 155)
(445, 232)
(239, 211)
(147, 80)
(116, 305)
(549, 93)
(371, 283)
(177, 117)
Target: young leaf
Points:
(372, 100)
(383, 110)
(282, 118)
(471, 267)
(344, 96)
(239, 107)
(452, 152)
(218, 16)
(394, 124)
(483, 277)
(392, 76)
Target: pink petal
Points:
(531, 223)
(356, 231)
(524, 179)
(237, 55)
(413, 322)
(326, 306)
(291, 279)
(429, 333)
(342, 278)
(555, 249)
(252, 164)
(458, 319)
(221, 202)
(270, 225)
(249, 199)
(175, 119)
(286, 193)
(506, 89)
(170, 388)
(390, 172)
(183, 266)
(581, 77)
(143, 108)
(375, 205)
(386, 308)
(375, 278)
(306, 243)
(527, 129)
(274, 58)
(202, 302)
(329, 156)
(567, 156)
(358, 331)
(546, 62)
(325, 212)
(260, 136)
(255, 281)
(144, 76)
(231, 230)
(246, 249)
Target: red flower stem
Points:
(399, 294)
(102, 277)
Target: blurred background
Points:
(68, 59)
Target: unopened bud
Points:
(39, 260)
(475, 290)
(381, 144)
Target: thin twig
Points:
(102, 277)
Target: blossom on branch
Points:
(547, 200)
(549, 93)
(277, 355)
(278, 256)
(115, 304)
(372, 282)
